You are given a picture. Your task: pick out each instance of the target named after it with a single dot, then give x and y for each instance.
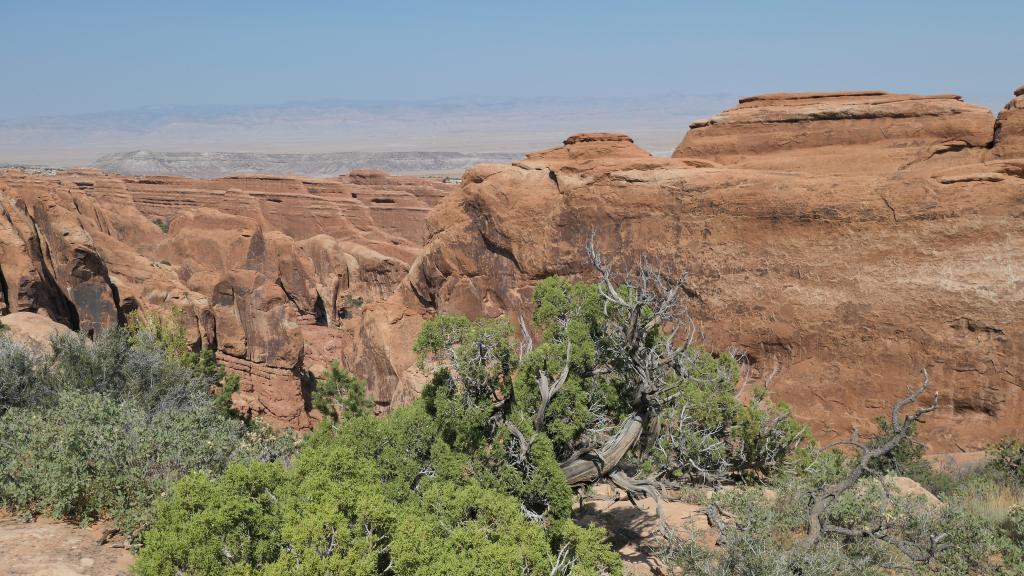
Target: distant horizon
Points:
(995, 103)
(465, 125)
(88, 79)
(456, 124)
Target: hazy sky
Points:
(71, 57)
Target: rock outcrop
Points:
(838, 132)
(842, 260)
(1008, 141)
(33, 330)
(839, 242)
(592, 145)
(269, 271)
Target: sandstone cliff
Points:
(841, 242)
(839, 132)
(270, 271)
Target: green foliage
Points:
(88, 456)
(480, 353)
(467, 428)
(428, 489)
(209, 525)
(908, 454)
(229, 384)
(339, 394)
(100, 428)
(371, 496)
(980, 519)
(764, 539)
(439, 334)
(128, 365)
(764, 536)
(703, 432)
(21, 383)
(717, 436)
(1008, 455)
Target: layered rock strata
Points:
(839, 243)
(267, 270)
(838, 132)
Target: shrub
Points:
(714, 437)
(339, 394)
(88, 456)
(765, 530)
(208, 525)
(583, 383)
(134, 365)
(21, 383)
(1008, 456)
(371, 496)
(101, 428)
(765, 535)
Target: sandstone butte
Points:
(840, 241)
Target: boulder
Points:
(910, 487)
(33, 330)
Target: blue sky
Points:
(60, 58)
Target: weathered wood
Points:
(594, 464)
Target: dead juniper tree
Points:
(651, 342)
(897, 434)
(617, 387)
(649, 361)
(852, 522)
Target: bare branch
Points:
(902, 427)
(519, 449)
(526, 346)
(549, 388)
(591, 465)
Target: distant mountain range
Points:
(325, 135)
(215, 164)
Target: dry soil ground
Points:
(47, 547)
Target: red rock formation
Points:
(1009, 134)
(844, 241)
(847, 276)
(31, 329)
(592, 145)
(838, 132)
(267, 269)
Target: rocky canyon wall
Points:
(840, 242)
